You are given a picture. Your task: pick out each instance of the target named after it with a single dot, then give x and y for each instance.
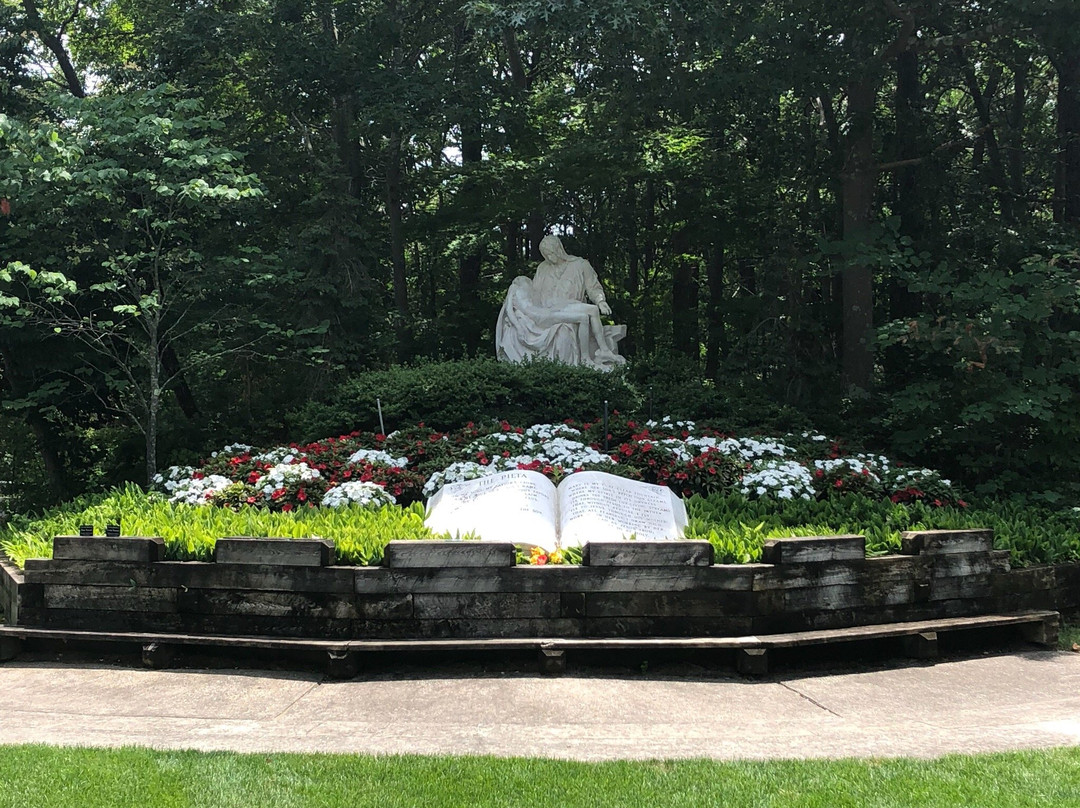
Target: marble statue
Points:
(557, 314)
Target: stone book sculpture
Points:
(525, 507)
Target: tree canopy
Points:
(211, 213)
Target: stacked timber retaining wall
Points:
(11, 579)
(292, 588)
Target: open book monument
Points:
(525, 507)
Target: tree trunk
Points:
(44, 431)
(395, 214)
(54, 41)
(1016, 134)
(684, 298)
(518, 128)
(981, 99)
(859, 179)
(1067, 185)
(153, 405)
(908, 185)
(535, 227)
(469, 317)
(48, 447)
(717, 338)
(170, 366)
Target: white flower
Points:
(784, 479)
(543, 432)
(358, 493)
(378, 456)
(172, 477)
(667, 423)
(749, 449)
(233, 449)
(856, 465)
(282, 475)
(456, 473)
(282, 455)
(195, 492)
(570, 454)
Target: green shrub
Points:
(989, 381)
(445, 395)
(676, 387)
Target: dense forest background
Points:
(213, 214)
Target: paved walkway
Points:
(1023, 700)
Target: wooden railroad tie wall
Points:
(292, 588)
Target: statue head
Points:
(552, 249)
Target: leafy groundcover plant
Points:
(362, 489)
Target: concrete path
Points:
(992, 703)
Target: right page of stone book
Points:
(596, 506)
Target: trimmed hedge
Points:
(447, 395)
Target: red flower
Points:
(839, 483)
(5, 207)
(301, 495)
(287, 507)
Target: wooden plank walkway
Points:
(920, 640)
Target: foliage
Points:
(738, 527)
(995, 364)
(190, 532)
(735, 171)
(444, 395)
(687, 457)
(165, 205)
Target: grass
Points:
(71, 777)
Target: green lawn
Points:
(45, 776)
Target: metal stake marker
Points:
(605, 426)
(382, 426)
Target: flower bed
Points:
(362, 490)
(412, 464)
